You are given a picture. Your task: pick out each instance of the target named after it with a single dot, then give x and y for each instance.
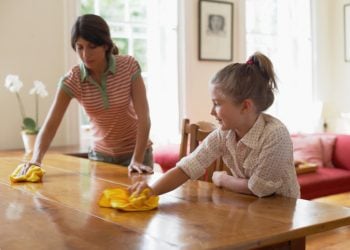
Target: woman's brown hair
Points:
(254, 79)
(94, 29)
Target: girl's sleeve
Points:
(195, 164)
(273, 163)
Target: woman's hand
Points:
(217, 177)
(140, 168)
(26, 167)
(138, 187)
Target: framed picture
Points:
(347, 31)
(215, 30)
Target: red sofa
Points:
(166, 156)
(324, 181)
(329, 180)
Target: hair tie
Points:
(250, 61)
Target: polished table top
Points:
(62, 212)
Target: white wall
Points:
(33, 41)
(194, 85)
(332, 73)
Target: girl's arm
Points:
(239, 185)
(168, 182)
(138, 94)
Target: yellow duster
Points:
(34, 174)
(121, 199)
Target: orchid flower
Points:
(14, 85)
(39, 89)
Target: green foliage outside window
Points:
(138, 10)
(140, 51)
(86, 6)
(128, 29)
(122, 44)
(113, 10)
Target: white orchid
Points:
(14, 85)
(38, 89)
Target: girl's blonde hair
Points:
(254, 79)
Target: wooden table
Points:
(342, 199)
(62, 213)
(335, 239)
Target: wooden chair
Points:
(185, 132)
(191, 136)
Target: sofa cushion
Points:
(341, 154)
(325, 181)
(308, 149)
(328, 142)
(314, 148)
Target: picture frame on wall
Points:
(215, 30)
(347, 32)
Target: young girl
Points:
(255, 146)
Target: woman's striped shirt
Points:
(109, 104)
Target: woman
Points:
(111, 90)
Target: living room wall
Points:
(332, 73)
(34, 38)
(196, 74)
(34, 46)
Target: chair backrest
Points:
(198, 132)
(185, 132)
(191, 136)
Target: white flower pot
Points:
(28, 141)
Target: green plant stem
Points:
(36, 110)
(20, 105)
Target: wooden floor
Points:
(337, 239)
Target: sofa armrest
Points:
(341, 153)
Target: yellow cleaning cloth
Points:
(34, 174)
(121, 199)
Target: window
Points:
(147, 30)
(282, 30)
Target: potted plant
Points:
(30, 126)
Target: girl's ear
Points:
(248, 105)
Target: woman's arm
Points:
(50, 126)
(138, 94)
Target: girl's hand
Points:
(140, 168)
(138, 187)
(217, 177)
